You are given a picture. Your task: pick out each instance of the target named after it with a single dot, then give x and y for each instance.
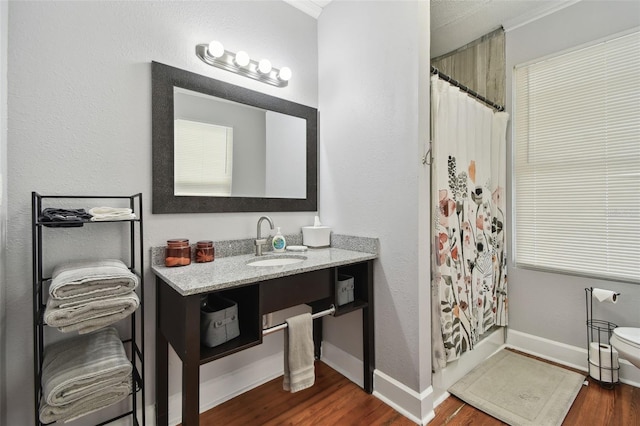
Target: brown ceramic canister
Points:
(178, 252)
(205, 252)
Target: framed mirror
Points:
(218, 147)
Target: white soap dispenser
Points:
(278, 242)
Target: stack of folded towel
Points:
(64, 218)
(88, 295)
(84, 374)
(111, 213)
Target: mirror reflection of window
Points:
(203, 160)
(269, 148)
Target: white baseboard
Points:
(223, 388)
(344, 363)
(571, 356)
(406, 401)
(417, 407)
(150, 418)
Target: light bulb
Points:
(264, 66)
(216, 49)
(242, 58)
(284, 74)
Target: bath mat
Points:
(520, 390)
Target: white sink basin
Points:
(276, 260)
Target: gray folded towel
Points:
(107, 396)
(80, 367)
(299, 371)
(91, 315)
(90, 279)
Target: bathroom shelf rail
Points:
(85, 222)
(132, 255)
(330, 311)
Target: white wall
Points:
(373, 123)
(551, 305)
(4, 31)
(79, 122)
(286, 156)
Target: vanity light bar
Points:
(240, 63)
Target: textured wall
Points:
(544, 304)
(80, 122)
(480, 65)
(3, 204)
(373, 120)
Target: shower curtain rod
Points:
(465, 89)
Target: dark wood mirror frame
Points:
(164, 78)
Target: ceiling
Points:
(455, 23)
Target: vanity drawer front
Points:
(293, 290)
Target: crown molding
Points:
(309, 7)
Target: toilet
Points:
(626, 340)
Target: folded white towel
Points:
(111, 213)
(107, 396)
(299, 371)
(89, 279)
(92, 315)
(80, 367)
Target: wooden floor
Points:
(334, 400)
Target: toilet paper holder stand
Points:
(602, 358)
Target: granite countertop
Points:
(233, 271)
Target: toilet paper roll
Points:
(603, 374)
(606, 296)
(603, 355)
(603, 362)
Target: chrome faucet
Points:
(259, 242)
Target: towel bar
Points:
(330, 311)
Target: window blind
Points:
(203, 159)
(577, 161)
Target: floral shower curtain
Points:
(469, 286)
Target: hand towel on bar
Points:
(107, 396)
(92, 315)
(79, 367)
(299, 372)
(91, 278)
(111, 213)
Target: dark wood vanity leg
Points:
(162, 368)
(368, 333)
(317, 338)
(162, 376)
(191, 364)
(190, 393)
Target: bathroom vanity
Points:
(257, 290)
